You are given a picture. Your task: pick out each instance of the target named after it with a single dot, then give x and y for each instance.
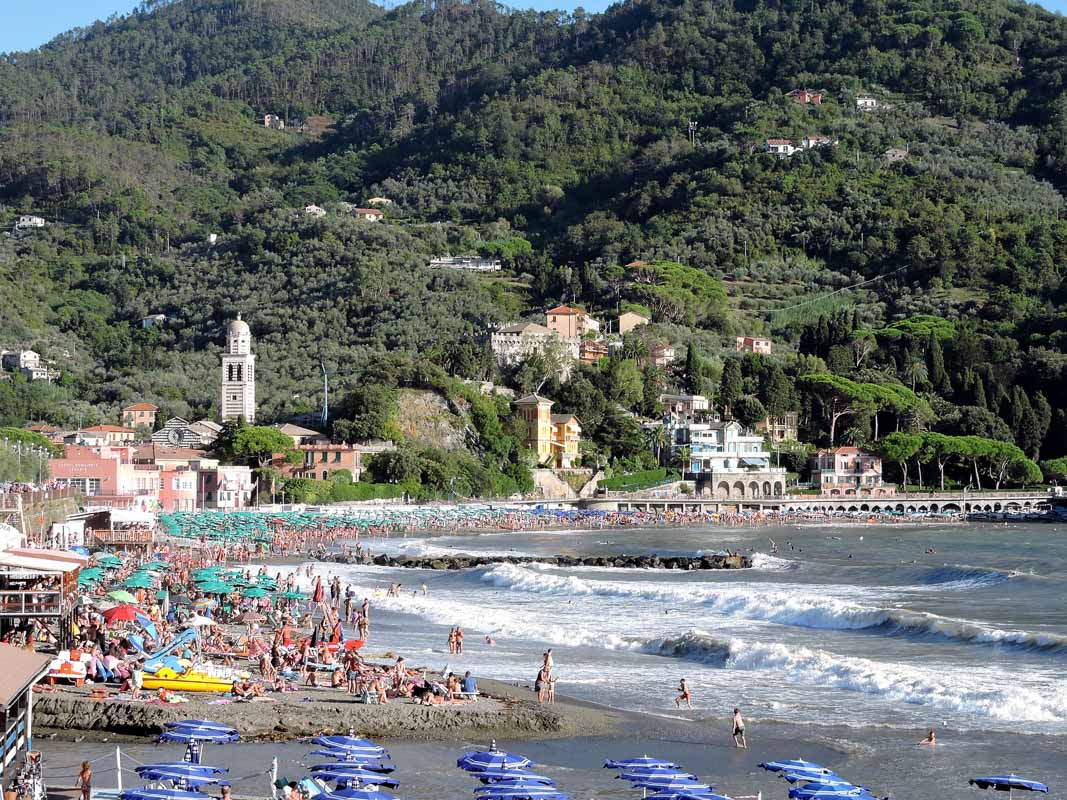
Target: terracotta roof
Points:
(564, 417)
(108, 429)
(372, 211)
(295, 430)
(779, 141)
(141, 407)
(565, 310)
(21, 670)
(637, 263)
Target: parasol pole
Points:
(118, 767)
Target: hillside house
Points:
(866, 103)
(466, 263)
(805, 97)
(379, 201)
(554, 438)
(30, 221)
(848, 471)
(894, 154)
(780, 147)
(727, 461)
(274, 122)
(111, 434)
(629, 320)
(591, 351)
(780, 428)
(368, 214)
(568, 322)
(753, 344)
(315, 211)
(207, 429)
(20, 359)
(660, 354)
(684, 405)
(515, 343)
(811, 142)
(152, 320)
(138, 414)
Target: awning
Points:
(12, 561)
(754, 462)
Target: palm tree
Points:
(916, 372)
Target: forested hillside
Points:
(561, 144)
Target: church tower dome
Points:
(238, 373)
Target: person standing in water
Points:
(683, 694)
(85, 780)
(739, 730)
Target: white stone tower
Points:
(238, 374)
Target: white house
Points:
(727, 461)
(866, 103)
(273, 121)
(848, 471)
(515, 343)
(810, 142)
(152, 320)
(30, 221)
(368, 214)
(466, 263)
(315, 211)
(780, 147)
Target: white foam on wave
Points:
(769, 562)
(982, 693)
(966, 692)
(796, 606)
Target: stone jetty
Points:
(463, 561)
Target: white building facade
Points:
(728, 462)
(238, 374)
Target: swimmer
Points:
(930, 740)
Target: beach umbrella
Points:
(124, 613)
(193, 733)
(818, 791)
(643, 761)
(683, 795)
(1008, 783)
(524, 793)
(188, 780)
(797, 766)
(200, 723)
(215, 587)
(646, 772)
(191, 769)
(358, 793)
(497, 775)
(206, 602)
(291, 595)
(254, 592)
(479, 760)
(138, 582)
(667, 784)
(122, 596)
(363, 776)
(375, 763)
(148, 793)
(156, 565)
(351, 744)
(824, 777)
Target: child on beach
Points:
(739, 730)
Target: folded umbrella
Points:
(645, 772)
(829, 791)
(525, 793)
(148, 793)
(362, 776)
(358, 793)
(659, 784)
(702, 795)
(514, 783)
(496, 775)
(643, 761)
(192, 769)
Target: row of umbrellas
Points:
(811, 781)
(183, 780)
(665, 779)
(507, 776)
(358, 770)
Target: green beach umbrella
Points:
(253, 591)
(215, 587)
(138, 583)
(122, 596)
(291, 596)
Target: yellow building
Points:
(554, 438)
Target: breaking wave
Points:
(965, 577)
(792, 608)
(892, 682)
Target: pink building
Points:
(108, 476)
(848, 471)
(753, 344)
(177, 489)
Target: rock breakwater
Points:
(461, 561)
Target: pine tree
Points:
(731, 384)
(693, 370)
(935, 358)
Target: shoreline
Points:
(502, 711)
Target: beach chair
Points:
(368, 698)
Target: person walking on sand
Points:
(739, 730)
(683, 694)
(85, 780)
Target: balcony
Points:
(26, 603)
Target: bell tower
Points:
(238, 374)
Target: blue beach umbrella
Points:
(200, 723)
(358, 793)
(796, 766)
(185, 781)
(365, 762)
(707, 795)
(147, 793)
(363, 776)
(516, 783)
(1008, 783)
(191, 769)
(824, 791)
(507, 775)
(645, 772)
(525, 793)
(643, 761)
(478, 761)
(666, 784)
(822, 777)
(192, 734)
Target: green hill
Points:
(560, 143)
